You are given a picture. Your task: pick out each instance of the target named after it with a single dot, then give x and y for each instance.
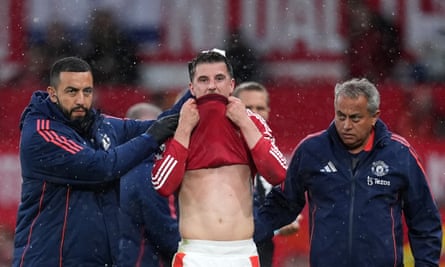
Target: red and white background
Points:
(301, 41)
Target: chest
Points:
(370, 175)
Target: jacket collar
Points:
(40, 103)
(379, 134)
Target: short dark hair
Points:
(67, 64)
(208, 57)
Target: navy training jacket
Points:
(149, 225)
(68, 214)
(355, 214)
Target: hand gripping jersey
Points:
(215, 142)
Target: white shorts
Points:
(205, 253)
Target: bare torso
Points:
(216, 204)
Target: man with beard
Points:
(72, 158)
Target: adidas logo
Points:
(330, 167)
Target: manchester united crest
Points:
(379, 168)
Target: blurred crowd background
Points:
(136, 41)
(298, 48)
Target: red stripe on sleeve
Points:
(43, 128)
(40, 126)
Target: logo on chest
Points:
(106, 142)
(379, 168)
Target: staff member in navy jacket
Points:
(72, 158)
(359, 178)
(149, 225)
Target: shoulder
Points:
(400, 145)
(394, 146)
(389, 140)
(106, 121)
(313, 144)
(398, 139)
(314, 139)
(37, 123)
(108, 117)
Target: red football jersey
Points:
(216, 141)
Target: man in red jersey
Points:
(217, 148)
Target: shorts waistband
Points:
(237, 247)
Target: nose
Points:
(254, 109)
(212, 84)
(80, 99)
(347, 124)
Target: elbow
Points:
(166, 179)
(162, 187)
(280, 178)
(276, 178)
(163, 192)
(275, 182)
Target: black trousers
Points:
(265, 252)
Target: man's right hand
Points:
(163, 128)
(188, 119)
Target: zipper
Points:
(351, 211)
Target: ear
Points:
(232, 85)
(192, 91)
(376, 117)
(52, 94)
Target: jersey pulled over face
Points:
(212, 78)
(216, 141)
